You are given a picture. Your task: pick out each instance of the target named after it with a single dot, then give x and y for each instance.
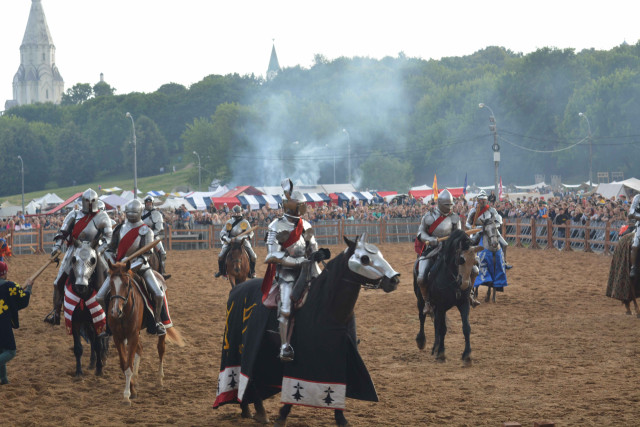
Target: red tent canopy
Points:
(219, 202)
(419, 194)
(63, 204)
(243, 190)
(334, 198)
(386, 193)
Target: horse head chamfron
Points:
(491, 236)
(367, 261)
(83, 262)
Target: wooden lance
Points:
(244, 233)
(43, 268)
(140, 251)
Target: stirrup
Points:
(166, 276)
(286, 353)
(52, 318)
(160, 329)
(218, 274)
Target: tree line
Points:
(396, 122)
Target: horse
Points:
(490, 239)
(125, 315)
(327, 359)
(620, 285)
(87, 275)
(237, 263)
(449, 285)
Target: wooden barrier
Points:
(40, 240)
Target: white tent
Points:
(9, 210)
(31, 208)
(176, 202)
(48, 199)
(531, 187)
(421, 188)
(115, 200)
(335, 188)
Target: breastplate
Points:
(136, 243)
(90, 231)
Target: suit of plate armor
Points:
(489, 214)
(154, 220)
(450, 222)
(288, 260)
(233, 227)
(634, 213)
(140, 264)
(100, 224)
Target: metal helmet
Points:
(148, 199)
(236, 211)
(101, 205)
(89, 201)
(133, 210)
(482, 195)
(445, 201)
(294, 203)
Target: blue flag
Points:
(464, 189)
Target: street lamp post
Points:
(135, 159)
(590, 149)
(496, 147)
(334, 163)
(348, 155)
(22, 173)
(199, 170)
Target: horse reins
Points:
(125, 299)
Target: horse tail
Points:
(174, 336)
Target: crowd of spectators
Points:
(578, 207)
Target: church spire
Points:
(38, 78)
(37, 32)
(274, 66)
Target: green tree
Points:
(151, 149)
(78, 94)
(103, 89)
(73, 161)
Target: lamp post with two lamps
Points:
(590, 149)
(135, 160)
(22, 173)
(199, 170)
(496, 148)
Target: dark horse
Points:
(450, 283)
(327, 367)
(237, 263)
(87, 275)
(125, 315)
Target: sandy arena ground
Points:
(553, 347)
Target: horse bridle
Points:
(125, 299)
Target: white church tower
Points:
(38, 78)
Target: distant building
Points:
(38, 78)
(274, 66)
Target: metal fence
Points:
(592, 236)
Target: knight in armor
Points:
(233, 230)
(84, 225)
(435, 224)
(290, 242)
(481, 213)
(129, 237)
(634, 214)
(154, 219)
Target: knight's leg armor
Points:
(158, 298)
(424, 266)
(54, 317)
(221, 260)
(252, 259)
(472, 297)
(163, 259)
(286, 351)
(504, 245)
(100, 297)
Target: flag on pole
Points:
(500, 190)
(464, 189)
(435, 188)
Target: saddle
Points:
(299, 292)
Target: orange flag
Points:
(435, 188)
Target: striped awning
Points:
(156, 193)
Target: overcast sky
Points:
(141, 44)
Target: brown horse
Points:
(125, 316)
(620, 286)
(237, 263)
